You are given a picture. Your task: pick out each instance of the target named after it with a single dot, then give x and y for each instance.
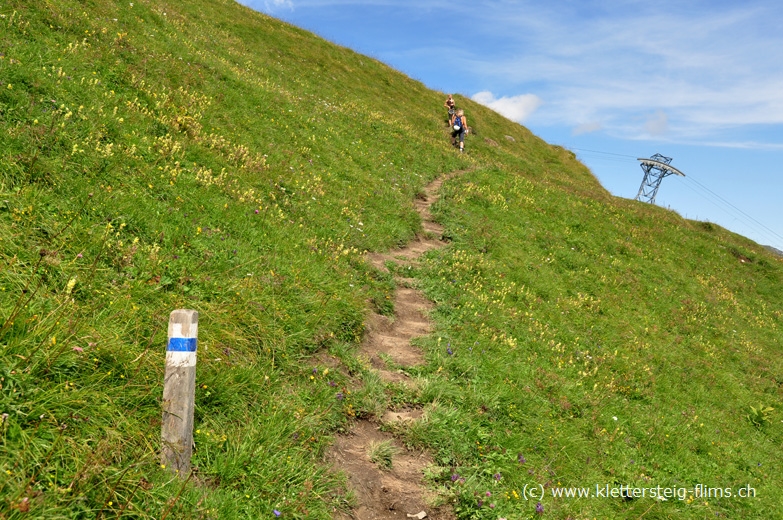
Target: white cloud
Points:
(701, 71)
(587, 128)
(516, 108)
(657, 125)
(269, 6)
(710, 68)
(742, 145)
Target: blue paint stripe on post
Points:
(182, 345)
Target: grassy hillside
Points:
(156, 156)
(600, 343)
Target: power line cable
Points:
(747, 220)
(737, 209)
(718, 206)
(605, 153)
(738, 215)
(603, 158)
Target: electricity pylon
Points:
(655, 169)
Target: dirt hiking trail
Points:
(398, 491)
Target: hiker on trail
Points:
(459, 126)
(449, 104)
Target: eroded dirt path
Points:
(396, 492)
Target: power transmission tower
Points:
(655, 169)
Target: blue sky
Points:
(698, 81)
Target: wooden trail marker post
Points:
(179, 388)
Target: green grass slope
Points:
(156, 156)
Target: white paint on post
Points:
(179, 388)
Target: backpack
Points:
(457, 123)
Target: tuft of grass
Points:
(761, 415)
(381, 454)
(371, 399)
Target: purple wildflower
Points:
(498, 476)
(481, 503)
(315, 371)
(451, 352)
(332, 383)
(454, 477)
(540, 508)
(276, 512)
(340, 396)
(521, 459)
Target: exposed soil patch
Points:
(396, 491)
(392, 337)
(381, 494)
(402, 416)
